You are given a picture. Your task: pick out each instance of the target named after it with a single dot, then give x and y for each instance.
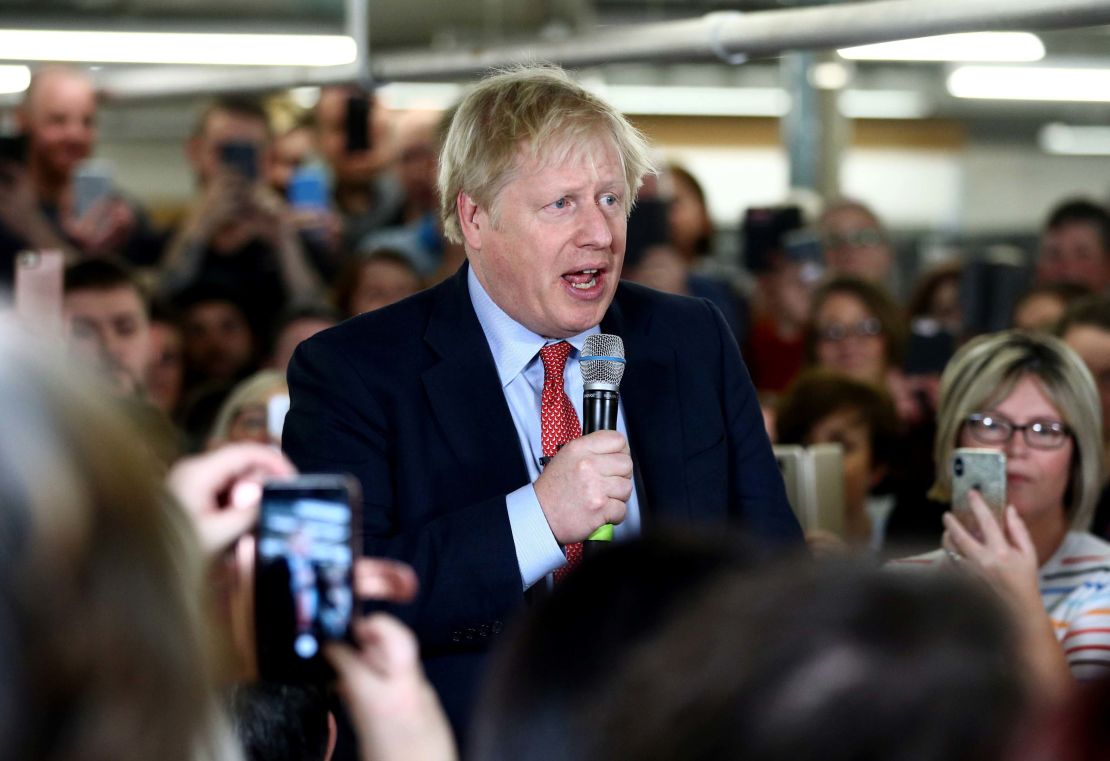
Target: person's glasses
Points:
(992, 428)
(838, 331)
(865, 237)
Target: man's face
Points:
(109, 329)
(1074, 253)
(856, 245)
(223, 127)
(218, 341)
(290, 152)
(552, 258)
(60, 120)
(1092, 344)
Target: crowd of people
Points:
(399, 305)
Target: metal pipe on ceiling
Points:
(731, 35)
(727, 35)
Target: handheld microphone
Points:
(602, 364)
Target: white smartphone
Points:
(983, 470)
(39, 283)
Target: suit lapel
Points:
(465, 392)
(649, 398)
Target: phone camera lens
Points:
(958, 467)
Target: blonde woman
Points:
(1031, 397)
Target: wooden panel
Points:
(736, 131)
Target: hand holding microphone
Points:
(589, 481)
(602, 364)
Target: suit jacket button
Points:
(496, 628)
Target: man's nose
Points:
(595, 230)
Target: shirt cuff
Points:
(537, 552)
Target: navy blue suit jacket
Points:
(408, 400)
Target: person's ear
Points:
(473, 220)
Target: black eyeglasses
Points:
(864, 237)
(992, 428)
(838, 331)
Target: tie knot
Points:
(554, 358)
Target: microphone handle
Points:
(599, 413)
(599, 410)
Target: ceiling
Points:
(450, 25)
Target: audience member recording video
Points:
(239, 234)
(45, 201)
(1030, 397)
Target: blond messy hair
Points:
(538, 109)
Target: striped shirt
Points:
(1075, 588)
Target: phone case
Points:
(983, 470)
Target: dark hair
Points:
(704, 244)
(280, 722)
(550, 675)
(877, 301)
(1089, 310)
(818, 393)
(925, 290)
(830, 661)
(346, 282)
(101, 274)
(1081, 211)
(244, 106)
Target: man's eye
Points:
(562, 203)
(609, 199)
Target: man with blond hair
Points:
(459, 407)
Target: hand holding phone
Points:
(308, 539)
(981, 470)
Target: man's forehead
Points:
(123, 299)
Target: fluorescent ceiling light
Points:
(1005, 47)
(697, 101)
(14, 79)
(177, 48)
(1031, 83)
(1074, 140)
(883, 104)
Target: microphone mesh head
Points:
(608, 367)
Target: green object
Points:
(602, 534)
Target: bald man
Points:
(58, 118)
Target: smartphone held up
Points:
(980, 470)
(308, 539)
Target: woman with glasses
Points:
(1031, 397)
(855, 329)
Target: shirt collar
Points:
(513, 345)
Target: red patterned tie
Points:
(558, 424)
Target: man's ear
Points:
(472, 220)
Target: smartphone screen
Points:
(983, 470)
(305, 555)
(308, 188)
(240, 157)
(90, 184)
(358, 123)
